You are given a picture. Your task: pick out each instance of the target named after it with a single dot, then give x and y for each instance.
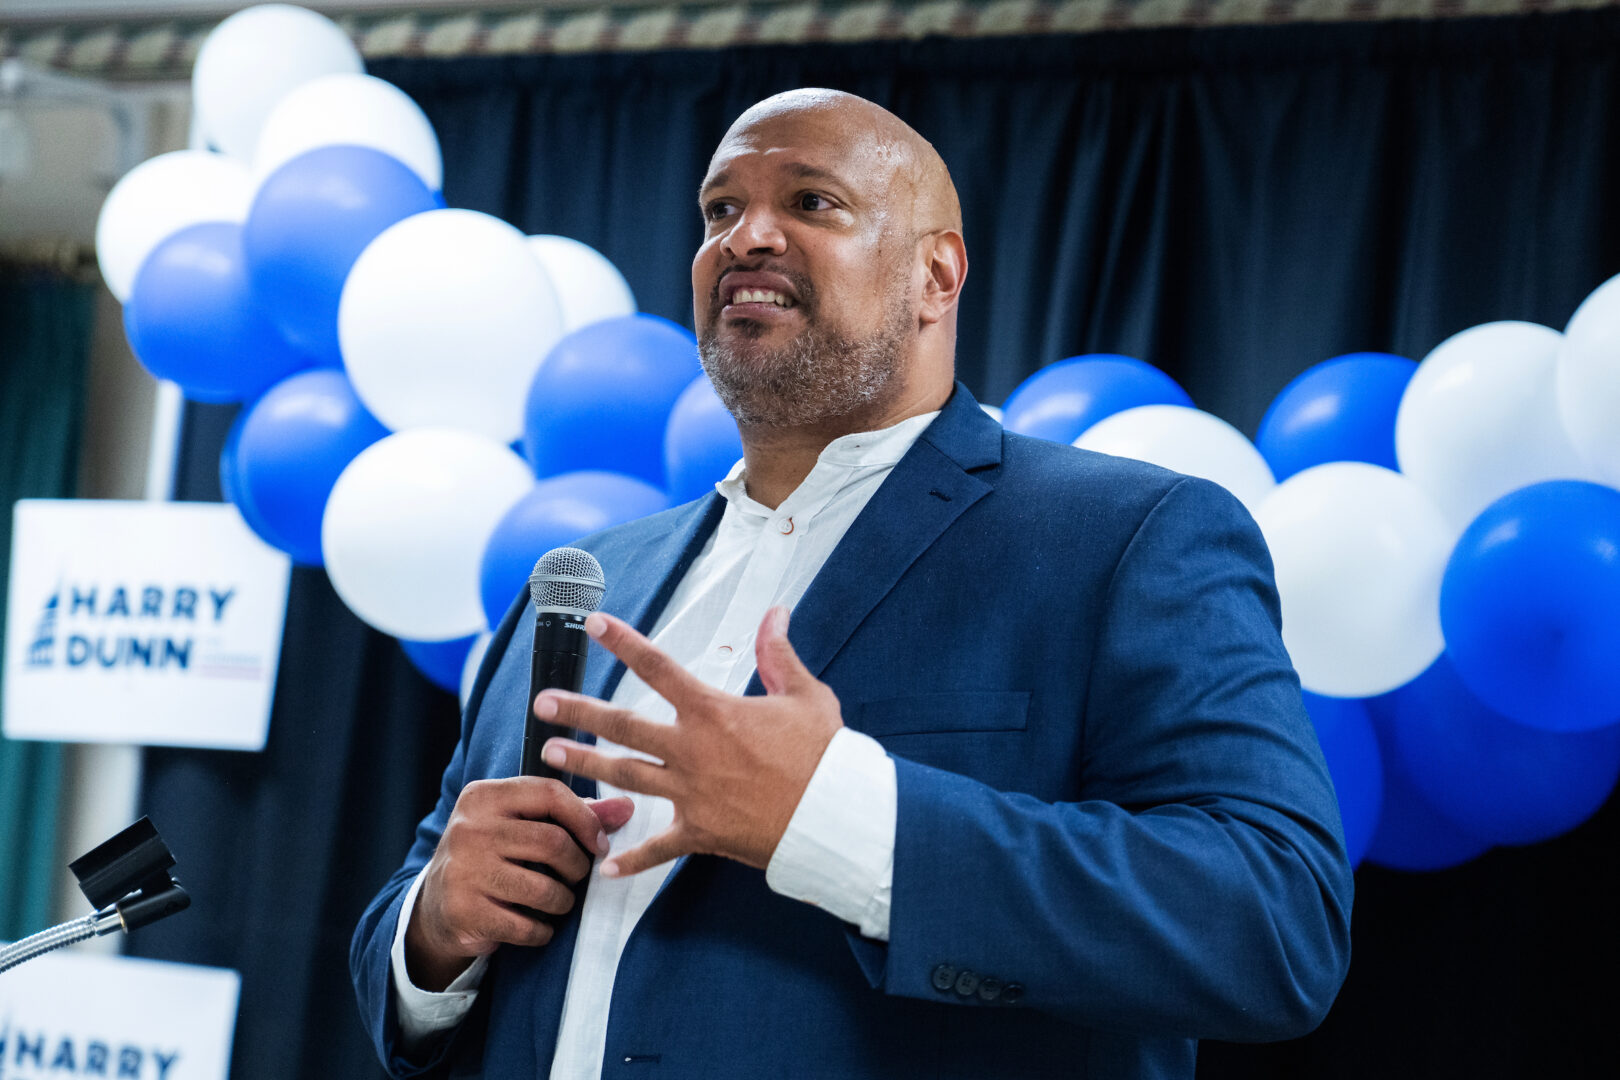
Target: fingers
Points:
(466, 928)
(780, 669)
(605, 721)
(500, 922)
(625, 773)
(655, 667)
(467, 907)
(514, 928)
(573, 814)
(612, 813)
(529, 888)
(531, 798)
(655, 851)
(540, 843)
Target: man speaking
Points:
(1022, 788)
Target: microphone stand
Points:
(68, 933)
(127, 879)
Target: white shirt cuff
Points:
(422, 1013)
(838, 850)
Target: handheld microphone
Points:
(566, 586)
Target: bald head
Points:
(917, 174)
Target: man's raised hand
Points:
(734, 767)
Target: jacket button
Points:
(1012, 992)
(967, 982)
(989, 989)
(944, 977)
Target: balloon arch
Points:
(430, 396)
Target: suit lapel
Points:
(927, 491)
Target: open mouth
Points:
(758, 293)
(761, 296)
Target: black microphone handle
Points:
(558, 663)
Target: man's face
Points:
(802, 289)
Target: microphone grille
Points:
(567, 577)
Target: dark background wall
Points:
(1232, 205)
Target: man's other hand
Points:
(734, 767)
(483, 883)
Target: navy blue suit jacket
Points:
(1110, 797)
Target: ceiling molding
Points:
(135, 48)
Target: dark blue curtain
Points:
(1232, 205)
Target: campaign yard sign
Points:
(72, 1015)
(141, 622)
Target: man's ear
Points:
(944, 258)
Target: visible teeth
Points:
(760, 296)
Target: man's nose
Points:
(756, 232)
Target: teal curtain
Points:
(45, 322)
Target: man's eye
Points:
(717, 210)
(811, 201)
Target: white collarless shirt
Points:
(838, 850)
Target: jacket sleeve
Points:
(369, 960)
(369, 964)
(1197, 885)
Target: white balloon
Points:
(1589, 381)
(1359, 551)
(160, 196)
(1187, 441)
(444, 320)
(589, 287)
(1480, 419)
(352, 110)
(469, 667)
(406, 525)
(252, 59)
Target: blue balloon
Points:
(230, 483)
(309, 222)
(603, 395)
(1411, 834)
(1495, 779)
(191, 318)
(1340, 410)
(1530, 605)
(1063, 399)
(440, 661)
(701, 443)
(295, 441)
(559, 511)
(1346, 734)
(232, 489)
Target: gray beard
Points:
(816, 377)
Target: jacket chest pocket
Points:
(955, 711)
(976, 733)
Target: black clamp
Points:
(131, 872)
